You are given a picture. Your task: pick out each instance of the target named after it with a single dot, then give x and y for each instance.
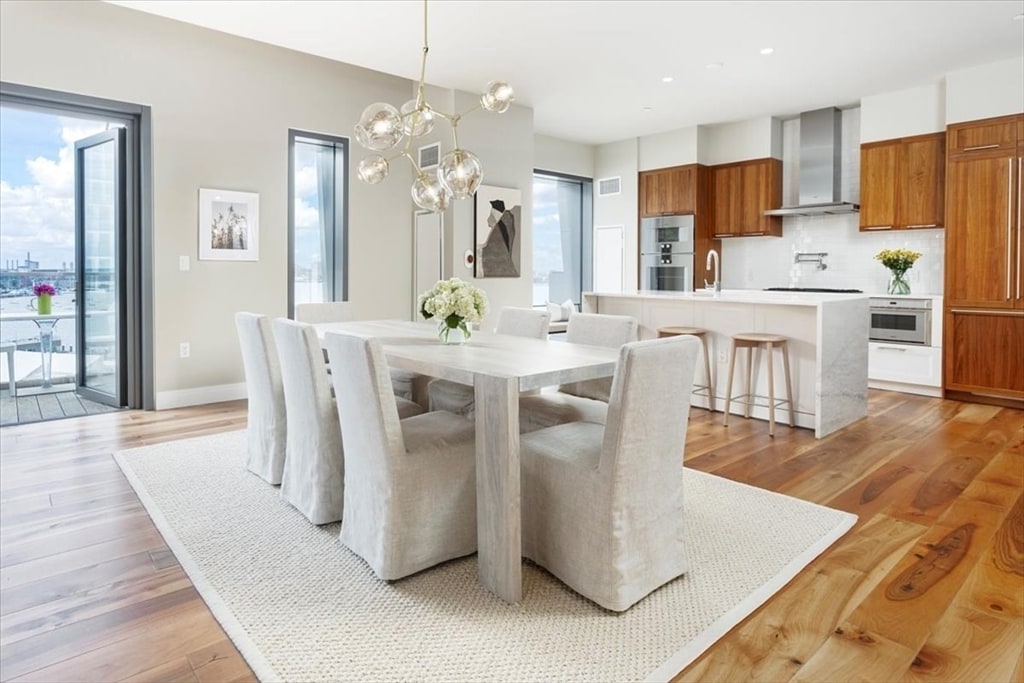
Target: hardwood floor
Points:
(928, 586)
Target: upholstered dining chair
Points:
(521, 322)
(313, 477)
(266, 430)
(586, 400)
(410, 485)
(602, 505)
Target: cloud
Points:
(40, 217)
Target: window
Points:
(562, 237)
(318, 218)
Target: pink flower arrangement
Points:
(44, 288)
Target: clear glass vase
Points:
(452, 335)
(898, 283)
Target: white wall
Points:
(981, 92)
(221, 110)
(738, 141)
(664, 150)
(914, 111)
(563, 156)
(620, 159)
(504, 143)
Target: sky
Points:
(37, 195)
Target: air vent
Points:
(430, 155)
(609, 186)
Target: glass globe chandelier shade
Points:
(498, 97)
(429, 194)
(417, 121)
(380, 127)
(373, 169)
(383, 127)
(460, 172)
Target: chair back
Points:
(523, 322)
(598, 329)
(267, 422)
(327, 312)
(367, 412)
(645, 432)
(307, 391)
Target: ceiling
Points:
(592, 70)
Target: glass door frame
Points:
(138, 266)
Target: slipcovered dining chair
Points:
(603, 505)
(266, 430)
(313, 478)
(520, 322)
(410, 485)
(587, 400)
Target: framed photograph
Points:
(229, 225)
(497, 232)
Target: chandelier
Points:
(382, 127)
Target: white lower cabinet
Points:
(912, 369)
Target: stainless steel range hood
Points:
(820, 164)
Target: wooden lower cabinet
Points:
(984, 352)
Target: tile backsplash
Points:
(759, 262)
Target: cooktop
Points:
(821, 290)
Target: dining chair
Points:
(587, 400)
(602, 505)
(520, 322)
(410, 485)
(267, 426)
(313, 477)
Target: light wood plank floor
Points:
(929, 585)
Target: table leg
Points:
(46, 349)
(499, 523)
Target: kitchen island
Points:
(828, 349)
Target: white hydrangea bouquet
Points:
(455, 304)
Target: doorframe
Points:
(138, 273)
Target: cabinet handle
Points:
(878, 227)
(924, 225)
(1009, 222)
(978, 147)
(988, 311)
(1020, 228)
(901, 349)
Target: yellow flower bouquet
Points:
(898, 261)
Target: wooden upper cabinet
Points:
(902, 183)
(742, 192)
(1000, 134)
(668, 191)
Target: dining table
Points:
(499, 367)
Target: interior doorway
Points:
(73, 317)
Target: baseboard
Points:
(919, 389)
(180, 398)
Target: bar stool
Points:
(758, 340)
(699, 332)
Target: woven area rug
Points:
(302, 607)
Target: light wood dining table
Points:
(498, 367)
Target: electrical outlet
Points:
(183, 263)
(723, 356)
(184, 350)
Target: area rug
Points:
(301, 607)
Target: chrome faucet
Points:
(715, 286)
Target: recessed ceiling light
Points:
(714, 65)
(767, 50)
(648, 108)
(1019, 17)
(667, 79)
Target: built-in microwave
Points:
(901, 320)
(673, 234)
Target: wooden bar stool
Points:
(699, 332)
(751, 341)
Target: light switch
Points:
(183, 263)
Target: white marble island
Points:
(828, 345)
